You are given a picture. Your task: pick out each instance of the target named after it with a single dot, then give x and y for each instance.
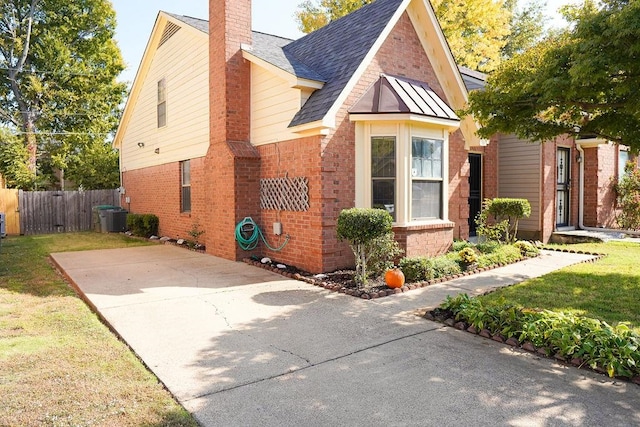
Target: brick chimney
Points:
(232, 176)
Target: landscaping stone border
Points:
(448, 320)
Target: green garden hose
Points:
(248, 234)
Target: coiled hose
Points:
(248, 235)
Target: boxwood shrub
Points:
(143, 225)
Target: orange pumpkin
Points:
(394, 278)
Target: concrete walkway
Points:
(238, 345)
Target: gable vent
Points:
(169, 30)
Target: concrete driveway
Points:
(238, 345)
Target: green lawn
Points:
(608, 289)
(59, 365)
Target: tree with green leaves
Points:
(480, 33)
(58, 89)
(583, 80)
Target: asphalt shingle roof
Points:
(335, 52)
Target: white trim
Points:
(348, 88)
(293, 80)
(450, 124)
(143, 69)
(402, 131)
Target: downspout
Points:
(581, 202)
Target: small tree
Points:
(365, 229)
(506, 215)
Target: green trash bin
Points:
(100, 217)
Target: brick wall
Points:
(157, 190)
(401, 54)
(232, 164)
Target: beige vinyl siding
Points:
(273, 104)
(183, 62)
(519, 166)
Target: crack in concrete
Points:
(312, 365)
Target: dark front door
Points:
(475, 190)
(563, 173)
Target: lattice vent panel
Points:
(284, 194)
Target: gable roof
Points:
(166, 25)
(337, 50)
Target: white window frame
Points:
(403, 131)
(161, 102)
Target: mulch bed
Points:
(342, 280)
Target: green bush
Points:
(527, 249)
(504, 254)
(143, 225)
(599, 345)
(459, 245)
(499, 218)
(445, 265)
(362, 228)
(383, 251)
(488, 246)
(416, 269)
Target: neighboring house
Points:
(223, 123)
(549, 176)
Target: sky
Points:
(135, 20)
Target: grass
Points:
(608, 289)
(59, 365)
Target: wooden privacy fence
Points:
(42, 212)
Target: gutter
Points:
(581, 203)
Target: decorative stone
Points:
(512, 342)
(382, 293)
(460, 325)
(485, 333)
(429, 316)
(281, 266)
(472, 329)
(365, 296)
(154, 238)
(180, 242)
(165, 239)
(397, 290)
(320, 276)
(529, 347)
(450, 321)
(265, 260)
(542, 351)
(559, 357)
(498, 338)
(577, 361)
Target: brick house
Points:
(224, 123)
(358, 113)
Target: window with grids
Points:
(623, 159)
(185, 185)
(383, 173)
(426, 178)
(162, 103)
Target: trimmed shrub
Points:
(143, 225)
(488, 246)
(506, 213)
(362, 227)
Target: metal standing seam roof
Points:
(392, 94)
